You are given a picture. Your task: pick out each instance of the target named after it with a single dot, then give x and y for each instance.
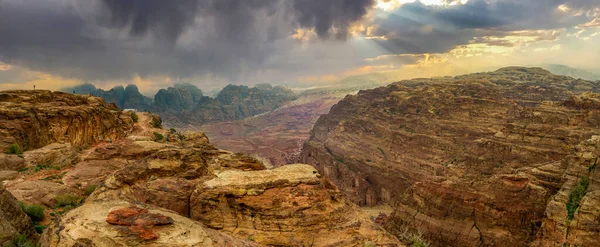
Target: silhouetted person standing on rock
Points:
(33, 87)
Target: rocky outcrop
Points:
(13, 221)
(87, 226)
(165, 177)
(468, 161)
(39, 191)
(139, 221)
(286, 206)
(34, 119)
(55, 155)
(11, 162)
(572, 215)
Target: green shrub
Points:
(14, 149)
(173, 130)
(39, 228)
(34, 211)
(156, 123)
(575, 196)
(158, 136)
(68, 200)
(134, 117)
(90, 189)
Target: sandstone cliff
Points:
(464, 160)
(34, 119)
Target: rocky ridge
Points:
(470, 160)
(185, 104)
(33, 119)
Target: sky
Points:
(210, 43)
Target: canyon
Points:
(502, 158)
(485, 159)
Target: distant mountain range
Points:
(560, 69)
(185, 104)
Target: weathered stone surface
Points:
(88, 224)
(54, 154)
(240, 161)
(39, 191)
(468, 161)
(286, 206)
(11, 162)
(34, 119)
(91, 172)
(165, 177)
(8, 175)
(13, 220)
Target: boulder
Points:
(88, 225)
(13, 221)
(11, 162)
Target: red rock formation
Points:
(139, 220)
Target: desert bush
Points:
(34, 211)
(68, 200)
(90, 189)
(575, 196)
(134, 117)
(14, 149)
(158, 136)
(173, 130)
(39, 228)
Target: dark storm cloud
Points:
(166, 18)
(420, 28)
(323, 15)
(113, 39)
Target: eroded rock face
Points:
(11, 162)
(13, 220)
(165, 177)
(582, 228)
(468, 161)
(87, 226)
(286, 206)
(34, 119)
